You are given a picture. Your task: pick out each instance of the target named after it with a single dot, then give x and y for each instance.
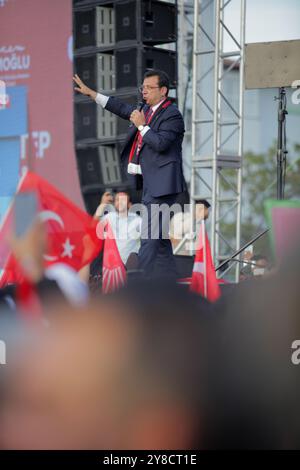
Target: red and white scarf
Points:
(134, 167)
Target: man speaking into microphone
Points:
(153, 149)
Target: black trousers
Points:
(156, 254)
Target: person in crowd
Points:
(122, 373)
(126, 227)
(48, 285)
(126, 224)
(260, 265)
(180, 225)
(254, 382)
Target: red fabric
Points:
(114, 272)
(138, 140)
(137, 143)
(223, 281)
(12, 273)
(28, 301)
(148, 118)
(72, 236)
(204, 270)
(188, 280)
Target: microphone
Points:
(140, 106)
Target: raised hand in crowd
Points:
(106, 199)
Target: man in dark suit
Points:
(153, 149)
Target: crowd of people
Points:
(151, 366)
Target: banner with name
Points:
(36, 67)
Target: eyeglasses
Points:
(147, 87)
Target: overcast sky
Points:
(266, 20)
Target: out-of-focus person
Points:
(124, 373)
(260, 265)
(180, 225)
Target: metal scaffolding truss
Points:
(185, 57)
(185, 10)
(217, 122)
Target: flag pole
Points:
(204, 256)
(7, 213)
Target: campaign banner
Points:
(36, 56)
(283, 218)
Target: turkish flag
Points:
(204, 280)
(113, 269)
(71, 233)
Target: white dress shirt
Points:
(103, 99)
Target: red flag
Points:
(113, 269)
(204, 280)
(71, 232)
(28, 301)
(11, 273)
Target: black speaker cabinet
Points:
(92, 200)
(94, 27)
(145, 21)
(94, 122)
(131, 63)
(97, 71)
(89, 168)
(99, 166)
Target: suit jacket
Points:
(160, 155)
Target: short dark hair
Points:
(203, 201)
(163, 78)
(120, 190)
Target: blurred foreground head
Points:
(121, 374)
(254, 384)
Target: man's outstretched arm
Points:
(112, 104)
(83, 89)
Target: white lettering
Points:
(296, 354)
(2, 353)
(42, 141)
(23, 141)
(296, 93)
